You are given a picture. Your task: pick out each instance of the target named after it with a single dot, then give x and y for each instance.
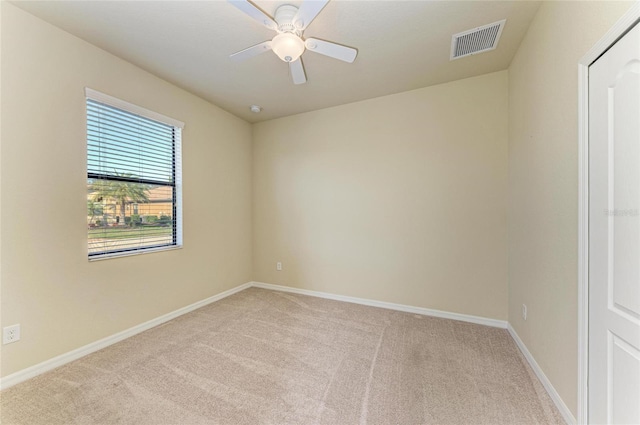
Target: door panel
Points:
(625, 368)
(624, 190)
(614, 234)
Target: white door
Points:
(614, 234)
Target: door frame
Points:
(620, 28)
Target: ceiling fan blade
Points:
(297, 72)
(257, 14)
(252, 51)
(327, 48)
(307, 12)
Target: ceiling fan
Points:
(290, 22)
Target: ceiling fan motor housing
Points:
(284, 18)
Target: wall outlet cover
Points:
(11, 334)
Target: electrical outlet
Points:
(11, 334)
(524, 311)
(279, 266)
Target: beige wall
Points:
(61, 300)
(543, 185)
(400, 198)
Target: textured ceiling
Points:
(402, 45)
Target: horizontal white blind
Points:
(133, 174)
(122, 144)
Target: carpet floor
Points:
(266, 357)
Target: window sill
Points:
(133, 253)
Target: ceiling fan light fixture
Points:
(287, 46)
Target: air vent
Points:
(477, 40)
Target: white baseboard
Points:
(47, 365)
(557, 400)
(390, 306)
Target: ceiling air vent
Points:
(477, 40)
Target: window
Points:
(134, 182)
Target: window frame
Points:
(178, 126)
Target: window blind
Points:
(133, 181)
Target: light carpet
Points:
(266, 357)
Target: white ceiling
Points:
(402, 45)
